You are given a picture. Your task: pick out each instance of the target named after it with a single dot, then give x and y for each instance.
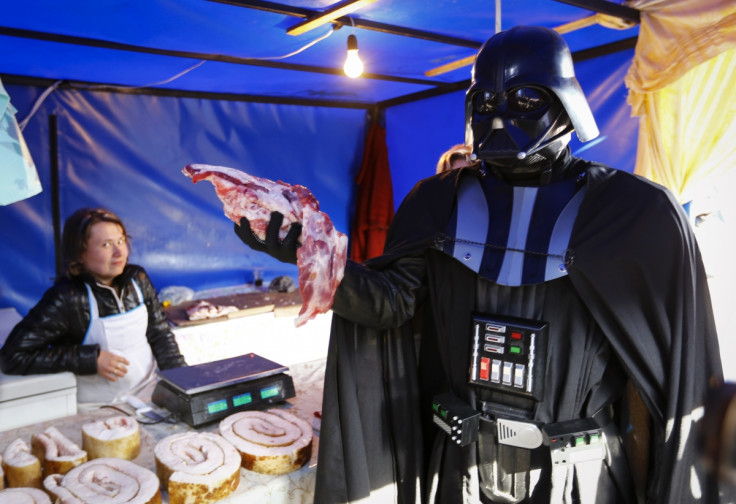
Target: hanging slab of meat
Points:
(111, 480)
(323, 252)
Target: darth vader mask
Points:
(524, 102)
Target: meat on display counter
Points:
(261, 322)
(293, 488)
(266, 334)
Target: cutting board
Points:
(251, 303)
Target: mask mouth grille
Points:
(498, 143)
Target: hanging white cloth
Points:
(18, 175)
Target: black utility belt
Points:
(569, 442)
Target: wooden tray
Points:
(251, 303)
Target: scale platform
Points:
(207, 392)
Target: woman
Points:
(101, 320)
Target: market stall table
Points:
(294, 488)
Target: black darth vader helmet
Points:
(524, 100)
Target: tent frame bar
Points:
(221, 58)
(366, 24)
(577, 56)
(21, 80)
(605, 7)
(601, 6)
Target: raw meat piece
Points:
(201, 310)
(323, 252)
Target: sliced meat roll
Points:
(108, 480)
(22, 468)
(117, 436)
(24, 496)
(270, 442)
(197, 467)
(57, 453)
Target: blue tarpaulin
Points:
(124, 149)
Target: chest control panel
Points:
(509, 354)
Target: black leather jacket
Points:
(50, 339)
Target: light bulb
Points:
(353, 66)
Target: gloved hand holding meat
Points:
(284, 249)
(321, 253)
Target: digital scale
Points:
(207, 392)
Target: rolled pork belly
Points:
(57, 453)
(269, 442)
(109, 480)
(117, 437)
(197, 467)
(24, 496)
(21, 467)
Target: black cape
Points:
(637, 268)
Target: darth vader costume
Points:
(484, 356)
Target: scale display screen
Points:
(242, 399)
(217, 406)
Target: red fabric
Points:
(374, 207)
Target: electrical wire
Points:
(56, 84)
(310, 44)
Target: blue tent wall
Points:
(126, 152)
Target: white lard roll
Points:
(105, 480)
(57, 453)
(269, 442)
(197, 467)
(24, 496)
(21, 467)
(117, 437)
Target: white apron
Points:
(122, 334)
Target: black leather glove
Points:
(283, 250)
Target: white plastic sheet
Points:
(18, 175)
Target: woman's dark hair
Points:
(76, 234)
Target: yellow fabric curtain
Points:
(681, 84)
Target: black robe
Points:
(635, 285)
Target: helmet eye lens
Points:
(521, 99)
(528, 99)
(485, 102)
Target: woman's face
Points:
(107, 252)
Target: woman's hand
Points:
(111, 366)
